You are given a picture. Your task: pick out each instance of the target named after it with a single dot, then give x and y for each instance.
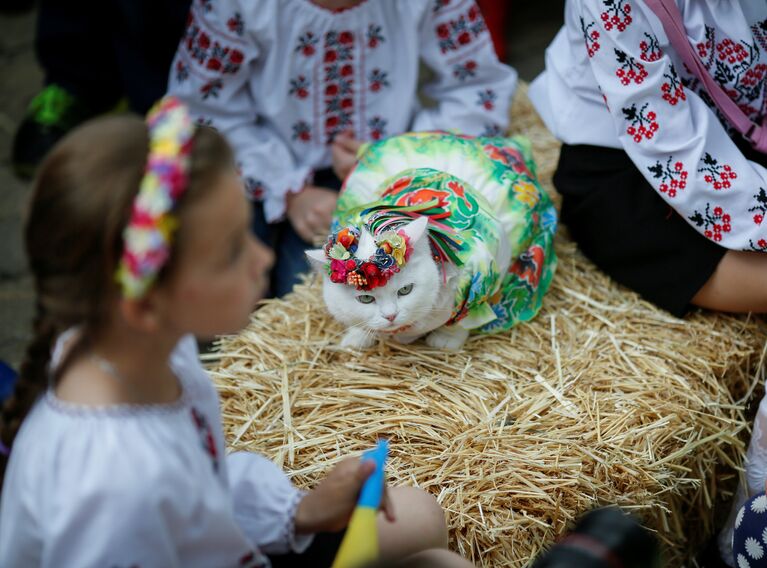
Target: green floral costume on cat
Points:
(488, 215)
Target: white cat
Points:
(416, 301)
(438, 235)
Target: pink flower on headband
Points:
(148, 236)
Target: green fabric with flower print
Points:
(480, 193)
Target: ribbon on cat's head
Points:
(393, 250)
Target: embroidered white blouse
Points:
(612, 79)
(281, 78)
(145, 486)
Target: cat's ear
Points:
(317, 259)
(416, 229)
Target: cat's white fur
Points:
(404, 318)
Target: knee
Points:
(422, 510)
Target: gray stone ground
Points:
(531, 27)
(20, 77)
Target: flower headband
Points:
(393, 250)
(147, 237)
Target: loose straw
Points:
(601, 399)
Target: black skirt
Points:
(628, 231)
(320, 553)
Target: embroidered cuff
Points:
(275, 198)
(297, 543)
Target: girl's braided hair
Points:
(80, 204)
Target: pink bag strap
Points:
(668, 13)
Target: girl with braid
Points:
(112, 445)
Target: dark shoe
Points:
(50, 115)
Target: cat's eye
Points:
(405, 290)
(365, 299)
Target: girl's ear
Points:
(317, 259)
(141, 314)
(416, 229)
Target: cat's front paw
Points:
(447, 338)
(356, 338)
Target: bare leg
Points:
(739, 284)
(419, 525)
(435, 558)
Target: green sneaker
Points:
(50, 115)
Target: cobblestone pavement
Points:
(20, 78)
(531, 27)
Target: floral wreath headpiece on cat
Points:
(147, 237)
(393, 250)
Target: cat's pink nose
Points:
(391, 317)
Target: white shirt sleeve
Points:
(265, 503)
(211, 73)
(674, 139)
(471, 88)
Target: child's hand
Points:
(344, 151)
(329, 506)
(311, 211)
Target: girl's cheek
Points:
(262, 258)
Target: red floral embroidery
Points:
(737, 68)
(209, 52)
(642, 124)
(705, 50)
(462, 31)
(650, 47)
(378, 79)
(713, 223)
(377, 127)
(182, 71)
(760, 246)
(206, 436)
(486, 99)
(249, 560)
(254, 188)
(716, 174)
(604, 98)
(299, 87)
(760, 208)
(339, 81)
(463, 71)
(754, 75)
(236, 24)
(629, 69)
(671, 179)
(760, 33)
(728, 50)
(616, 14)
(307, 44)
(375, 36)
(302, 131)
(211, 89)
(672, 89)
(590, 37)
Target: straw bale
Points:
(601, 399)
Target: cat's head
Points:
(395, 299)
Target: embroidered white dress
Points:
(281, 78)
(146, 486)
(612, 79)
